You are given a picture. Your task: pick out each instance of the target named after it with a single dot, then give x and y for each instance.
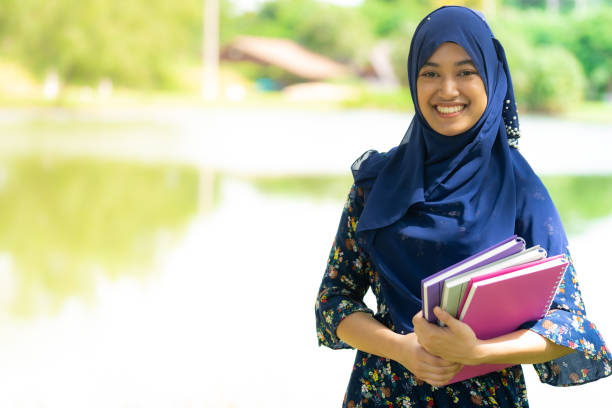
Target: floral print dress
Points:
(380, 382)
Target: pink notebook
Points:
(500, 304)
(497, 273)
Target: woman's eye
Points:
(468, 73)
(428, 74)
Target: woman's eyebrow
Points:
(462, 62)
(465, 62)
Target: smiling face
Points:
(450, 91)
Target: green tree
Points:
(590, 40)
(390, 17)
(135, 43)
(341, 33)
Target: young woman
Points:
(454, 186)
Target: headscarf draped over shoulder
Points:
(434, 199)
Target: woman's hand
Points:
(456, 342)
(425, 366)
(365, 333)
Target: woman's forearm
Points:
(361, 331)
(458, 342)
(519, 347)
(365, 333)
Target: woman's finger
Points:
(432, 360)
(437, 379)
(440, 369)
(438, 362)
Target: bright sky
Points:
(244, 5)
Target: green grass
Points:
(599, 112)
(366, 98)
(397, 100)
(319, 187)
(579, 199)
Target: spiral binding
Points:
(556, 286)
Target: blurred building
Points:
(284, 54)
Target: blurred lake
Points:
(171, 257)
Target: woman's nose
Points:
(448, 88)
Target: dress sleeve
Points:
(566, 324)
(346, 278)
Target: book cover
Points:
(455, 287)
(500, 304)
(492, 274)
(431, 287)
(520, 294)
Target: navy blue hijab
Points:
(434, 199)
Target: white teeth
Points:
(449, 109)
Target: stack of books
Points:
(495, 291)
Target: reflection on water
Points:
(66, 222)
(224, 318)
(227, 322)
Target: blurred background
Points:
(172, 175)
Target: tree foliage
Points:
(341, 33)
(132, 42)
(588, 38)
(138, 43)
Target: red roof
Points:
(287, 55)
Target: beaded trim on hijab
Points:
(511, 122)
(512, 126)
